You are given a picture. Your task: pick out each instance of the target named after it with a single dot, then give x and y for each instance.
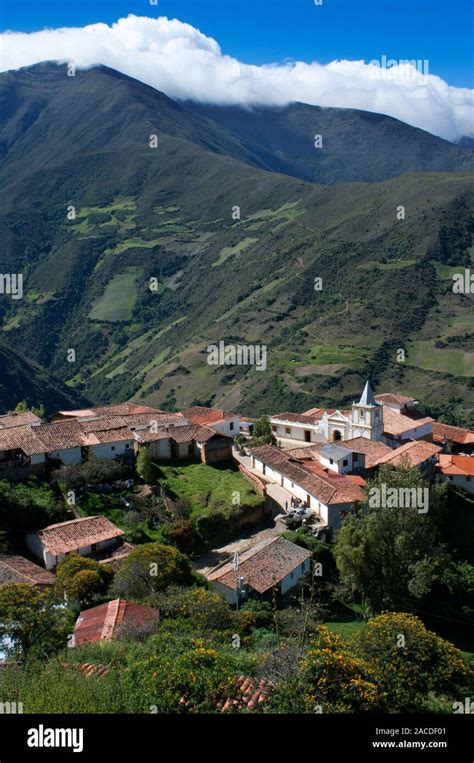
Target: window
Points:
(231, 425)
(355, 456)
(345, 462)
(288, 430)
(112, 447)
(468, 479)
(331, 460)
(307, 435)
(274, 428)
(291, 576)
(127, 445)
(292, 484)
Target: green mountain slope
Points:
(22, 379)
(170, 214)
(355, 145)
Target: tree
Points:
(144, 466)
(262, 433)
(329, 678)
(412, 662)
(28, 506)
(33, 621)
(94, 471)
(39, 411)
(181, 534)
(205, 610)
(4, 542)
(391, 556)
(149, 568)
(81, 579)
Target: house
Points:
(366, 453)
(417, 453)
(18, 569)
(202, 442)
(95, 536)
(294, 428)
(338, 458)
(400, 427)
(21, 453)
(108, 620)
(228, 423)
(329, 496)
(19, 419)
(273, 564)
(459, 470)
(453, 439)
(400, 403)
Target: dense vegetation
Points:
(386, 567)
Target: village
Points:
(310, 473)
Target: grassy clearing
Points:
(348, 629)
(283, 214)
(135, 243)
(425, 355)
(328, 355)
(207, 488)
(397, 265)
(118, 299)
(230, 251)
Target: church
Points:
(389, 418)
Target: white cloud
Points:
(182, 62)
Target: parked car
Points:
(304, 513)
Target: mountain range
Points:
(233, 215)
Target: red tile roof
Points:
(195, 432)
(373, 449)
(396, 423)
(22, 438)
(104, 622)
(317, 412)
(459, 435)
(394, 397)
(18, 419)
(456, 465)
(199, 414)
(77, 533)
(416, 451)
(263, 566)
(251, 693)
(121, 409)
(296, 418)
(17, 569)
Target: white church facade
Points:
(377, 420)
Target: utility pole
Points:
(238, 580)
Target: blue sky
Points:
(264, 31)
